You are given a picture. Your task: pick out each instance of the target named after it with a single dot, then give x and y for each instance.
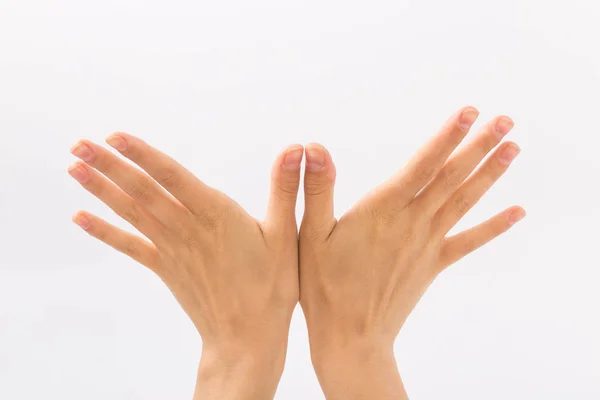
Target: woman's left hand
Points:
(236, 277)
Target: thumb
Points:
(285, 180)
(319, 180)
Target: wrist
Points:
(356, 369)
(358, 354)
(236, 374)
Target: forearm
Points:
(358, 372)
(244, 377)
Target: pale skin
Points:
(236, 277)
(357, 279)
(361, 276)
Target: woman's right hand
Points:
(362, 276)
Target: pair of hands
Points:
(357, 279)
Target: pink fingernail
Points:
(82, 221)
(503, 126)
(315, 159)
(293, 158)
(82, 151)
(467, 118)
(118, 142)
(509, 153)
(79, 172)
(516, 216)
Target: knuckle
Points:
(96, 187)
(491, 173)
(455, 134)
(132, 150)
(423, 171)
(132, 215)
(141, 191)
(317, 183)
(168, 178)
(381, 214)
(132, 250)
(214, 218)
(287, 189)
(488, 142)
(380, 219)
(315, 187)
(461, 204)
(491, 178)
(106, 164)
(451, 176)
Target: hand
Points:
(362, 276)
(235, 277)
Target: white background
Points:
(223, 86)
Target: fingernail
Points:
(509, 153)
(503, 126)
(79, 173)
(467, 118)
(82, 151)
(516, 216)
(315, 159)
(293, 158)
(118, 142)
(82, 221)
